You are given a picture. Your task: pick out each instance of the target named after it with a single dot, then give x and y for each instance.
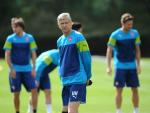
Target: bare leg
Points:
(118, 99)
(34, 97)
(65, 109)
(48, 100)
(135, 99)
(73, 107)
(17, 100)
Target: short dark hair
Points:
(20, 22)
(126, 17)
(76, 26)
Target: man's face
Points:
(65, 25)
(17, 29)
(128, 25)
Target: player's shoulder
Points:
(11, 36)
(134, 31)
(52, 52)
(116, 32)
(60, 39)
(29, 36)
(78, 35)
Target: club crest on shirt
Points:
(70, 39)
(27, 39)
(132, 35)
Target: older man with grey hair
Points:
(75, 64)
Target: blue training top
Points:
(75, 59)
(124, 46)
(48, 59)
(20, 48)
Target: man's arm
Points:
(138, 57)
(85, 56)
(33, 48)
(8, 61)
(86, 59)
(109, 57)
(7, 58)
(33, 62)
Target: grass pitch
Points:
(100, 96)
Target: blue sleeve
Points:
(39, 70)
(137, 40)
(8, 44)
(33, 45)
(85, 55)
(112, 40)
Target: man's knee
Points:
(73, 107)
(65, 109)
(16, 95)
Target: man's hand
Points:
(37, 83)
(89, 83)
(33, 73)
(109, 70)
(138, 69)
(13, 73)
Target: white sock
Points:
(118, 111)
(136, 110)
(49, 108)
(30, 108)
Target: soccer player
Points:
(45, 63)
(75, 64)
(125, 43)
(77, 26)
(20, 48)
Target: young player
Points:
(125, 43)
(45, 63)
(19, 48)
(75, 64)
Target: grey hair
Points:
(62, 15)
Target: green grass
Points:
(100, 97)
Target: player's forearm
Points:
(109, 56)
(86, 59)
(8, 60)
(138, 55)
(34, 56)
